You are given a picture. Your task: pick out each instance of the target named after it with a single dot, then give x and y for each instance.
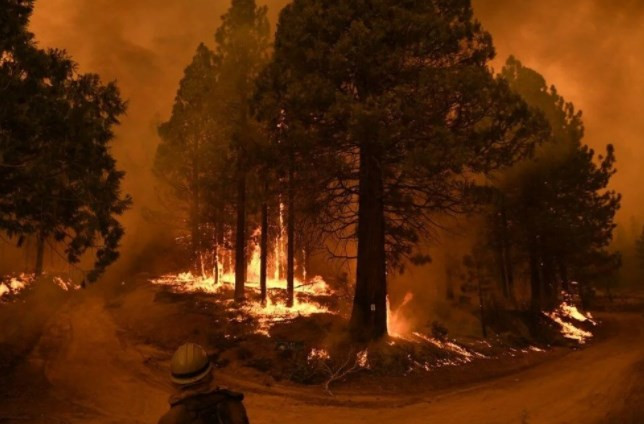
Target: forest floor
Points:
(87, 360)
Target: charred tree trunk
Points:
(550, 283)
(369, 314)
(219, 247)
(482, 311)
(290, 233)
(505, 257)
(40, 254)
(240, 235)
(563, 271)
(195, 218)
(535, 277)
(263, 246)
(450, 270)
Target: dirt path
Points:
(90, 367)
(583, 387)
(103, 379)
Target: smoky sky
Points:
(589, 49)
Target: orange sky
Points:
(590, 49)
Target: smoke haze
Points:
(589, 49)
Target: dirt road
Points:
(95, 376)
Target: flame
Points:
(14, 285)
(318, 355)
(222, 279)
(397, 325)
(66, 285)
(362, 359)
(567, 312)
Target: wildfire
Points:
(14, 285)
(274, 312)
(563, 316)
(397, 324)
(65, 285)
(362, 359)
(318, 355)
(221, 278)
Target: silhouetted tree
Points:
(393, 105)
(191, 158)
(639, 251)
(556, 209)
(58, 180)
(242, 43)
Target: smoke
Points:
(144, 45)
(590, 49)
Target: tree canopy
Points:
(58, 179)
(397, 102)
(557, 208)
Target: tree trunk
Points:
(40, 254)
(290, 234)
(506, 264)
(220, 238)
(535, 280)
(563, 270)
(450, 270)
(240, 241)
(369, 314)
(550, 283)
(263, 246)
(195, 219)
(481, 301)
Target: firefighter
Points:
(197, 399)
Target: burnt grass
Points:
(156, 316)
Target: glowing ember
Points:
(450, 346)
(272, 313)
(66, 285)
(318, 355)
(363, 359)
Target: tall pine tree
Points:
(242, 47)
(394, 106)
(58, 180)
(191, 158)
(557, 208)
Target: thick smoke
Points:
(144, 45)
(590, 49)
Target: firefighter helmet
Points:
(190, 364)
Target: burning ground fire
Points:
(565, 316)
(221, 278)
(274, 311)
(14, 285)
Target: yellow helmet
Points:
(190, 364)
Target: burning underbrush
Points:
(16, 286)
(308, 343)
(12, 285)
(574, 325)
(312, 297)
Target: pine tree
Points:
(560, 211)
(191, 158)
(393, 105)
(242, 44)
(639, 252)
(58, 180)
